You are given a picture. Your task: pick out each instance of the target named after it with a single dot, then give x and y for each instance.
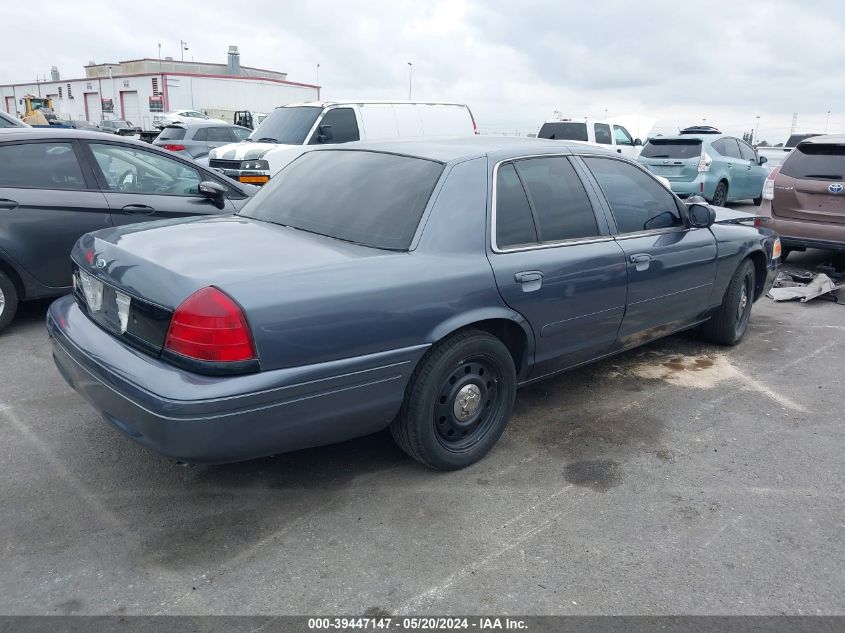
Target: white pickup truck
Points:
(603, 133)
(292, 129)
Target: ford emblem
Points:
(836, 187)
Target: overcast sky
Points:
(513, 62)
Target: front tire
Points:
(8, 301)
(730, 322)
(720, 196)
(458, 401)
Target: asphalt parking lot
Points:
(677, 478)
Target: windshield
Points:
(687, 148)
(816, 162)
(563, 130)
(369, 198)
(287, 125)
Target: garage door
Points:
(93, 107)
(130, 107)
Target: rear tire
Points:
(730, 322)
(720, 196)
(8, 301)
(458, 401)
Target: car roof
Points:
(57, 133)
(456, 149)
(687, 137)
(831, 139)
(327, 104)
(201, 123)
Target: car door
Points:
(755, 173)
(48, 200)
(671, 267)
(624, 142)
(338, 125)
(555, 261)
(142, 185)
(735, 167)
(603, 135)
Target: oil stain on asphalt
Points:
(598, 474)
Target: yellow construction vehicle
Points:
(38, 111)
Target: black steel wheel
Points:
(458, 401)
(730, 322)
(720, 196)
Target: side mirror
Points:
(637, 142)
(213, 191)
(701, 216)
(763, 160)
(325, 134)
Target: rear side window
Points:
(602, 131)
(40, 165)
(638, 202)
(564, 131)
(562, 210)
(172, 134)
(815, 162)
(369, 198)
(200, 134)
(679, 149)
(514, 226)
(344, 127)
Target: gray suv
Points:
(196, 140)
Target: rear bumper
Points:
(224, 419)
(802, 234)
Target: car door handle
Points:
(640, 258)
(138, 209)
(619, 150)
(531, 280)
(8, 204)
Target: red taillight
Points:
(173, 147)
(210, 326)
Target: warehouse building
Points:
(138, 90)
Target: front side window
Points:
(368, 198)
(514, 225)
(339, 125)
(602, 131)
(747, 151)
(622, 136)
(562, 210)
(137, 171)
(638, 202)
(218, 134)
(40, 165)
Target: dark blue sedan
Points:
(409, 284)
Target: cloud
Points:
(514, 63)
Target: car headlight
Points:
(262, 165)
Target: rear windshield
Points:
(369, 198)
(793, 140)
(686, 148)
(563, 130)
(287, 125)
(816, 162)
(172, 134)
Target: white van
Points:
(601, 133)
(290, 129)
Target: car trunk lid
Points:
(674, 159)
(154, 267)
(811, 184)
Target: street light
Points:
(756, 128)
(410, 78)
(184, 47)
(318, 75)
(827, 122)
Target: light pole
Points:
(112, 92)
(827, 122)
(318, 75)
(410, 78)
(183, 46)
(756, 128)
